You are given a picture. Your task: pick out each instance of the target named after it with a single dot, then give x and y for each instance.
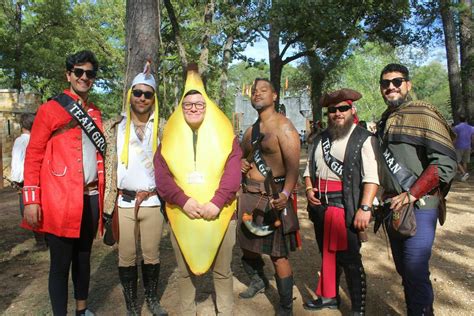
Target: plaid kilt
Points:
(277, 244)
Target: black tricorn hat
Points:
(338, 96)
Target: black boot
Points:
(128, 278)
(151, 273)
(258, 281)
(285, 290)
(355, 277)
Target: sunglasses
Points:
(397, 82)
(138, 93)
(342, 108)
(78, 72)
(198, 105)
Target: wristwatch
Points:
(366, 208)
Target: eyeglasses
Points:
(78, 72)
(137, 93)
(198, 105)
(342, 108)
(397, 82)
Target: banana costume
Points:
(198, 239)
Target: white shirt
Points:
(338, 150)
(140, 174)
(18, 157)
(89, 160)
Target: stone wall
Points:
(12, 105)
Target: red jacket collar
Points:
(90, 105)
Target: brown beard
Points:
(337, 131)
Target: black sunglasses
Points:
(397, 82)
(342, 108)
(78, 72)
(138, 93)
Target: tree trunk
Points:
(177, 36)
(227, 56)
(452, 56)
(317, 80)
(467, 58)
(142, 38)
(206, 38)
(18, 48)
(275, 60)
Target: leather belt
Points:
(92, 186)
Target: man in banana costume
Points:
(271, 144)
(198, 168)
(132, 140)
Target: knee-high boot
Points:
(128, 277)
(258, 281)
(285, 290)
(151, 273)
(356, 282)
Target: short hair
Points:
(82, 57)
(396, 68)
(26, 121)
(191, 92)
(263, 79)
(462, 118)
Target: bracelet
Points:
(286, 193)
(309, 188)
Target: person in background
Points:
(18, 161)
(464, 133)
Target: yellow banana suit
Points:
(198, 239)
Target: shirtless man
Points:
(278, 151)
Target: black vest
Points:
(351, 175)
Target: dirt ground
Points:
(24, 270)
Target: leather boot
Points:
(151, 273)
(128, 278)
(258, 281)
(285, 290)
(356, 282)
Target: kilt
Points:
(257, 203)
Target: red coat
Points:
(53, 170)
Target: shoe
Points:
(151, 273)
(258, 281)
(320, 303)
(465, 177)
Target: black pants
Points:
(64, 251)
(349, 256)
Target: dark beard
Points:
(337, 132)
(396, 103)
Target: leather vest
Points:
(351, 175)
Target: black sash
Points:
(399, 172)
(257, 156)
(332, 162)
(84, 120)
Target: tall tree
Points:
(142, 37)
(467, 56)
(452, 57)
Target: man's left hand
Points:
(361, 220)
(209, 211)
(280, 203)
(400, 200)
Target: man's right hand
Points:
(32, 214)
(192, 208)
(245, 166)
(311, 196)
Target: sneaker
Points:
(465, 177)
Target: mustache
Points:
(388, 91)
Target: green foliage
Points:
(430, 83)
